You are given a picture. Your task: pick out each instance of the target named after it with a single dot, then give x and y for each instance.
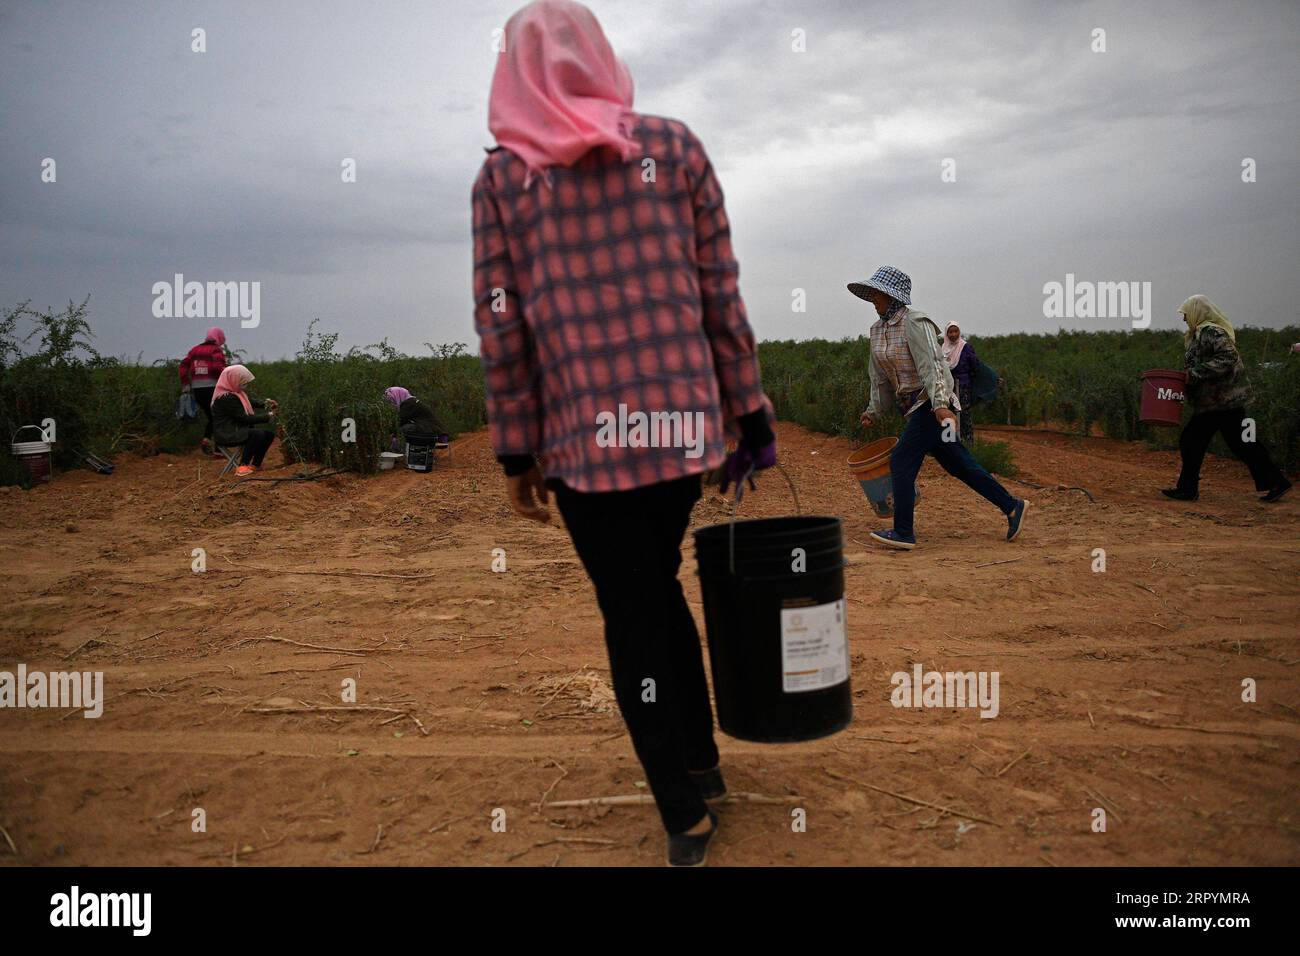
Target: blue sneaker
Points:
(1016, 519)
(892, 539)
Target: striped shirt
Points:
(612, 292)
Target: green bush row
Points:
(49, 368)
(1076, 379)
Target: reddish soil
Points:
(1120, 689)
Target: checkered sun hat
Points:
(893, 282)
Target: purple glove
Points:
(742, 463)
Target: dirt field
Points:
(1119, 689)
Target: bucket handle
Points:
(23, 428)
(735, 503)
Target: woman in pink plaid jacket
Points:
(618, 360)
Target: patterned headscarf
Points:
(894, 309)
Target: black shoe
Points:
(1276, 493)
(1179, 495)
(687, 850)
(709, 783)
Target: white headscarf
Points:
(951, 349)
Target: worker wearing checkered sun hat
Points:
(909, 372)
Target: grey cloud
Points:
(1123, 165)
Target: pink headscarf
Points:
(215, 336)
(232, 380)
(559, 90)
(396, 395)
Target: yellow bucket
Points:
(872, 460)
(870, 466)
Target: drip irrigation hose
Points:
(297, 454)
(1030, 484)
(324, 473)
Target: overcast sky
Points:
(225, 165)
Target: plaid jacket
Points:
(905, 356)
(890, 353)
(600, 290)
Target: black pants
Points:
(1195, 439)
(203, 398)
(630, 543)
(426, 427)
(258, 444)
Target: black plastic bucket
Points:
(776, 627)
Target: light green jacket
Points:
(931, 367)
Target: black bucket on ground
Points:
(774, 613)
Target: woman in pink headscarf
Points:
(199, 371)
(415, 420)
(236, 415)
(604, 282)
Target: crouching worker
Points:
(1218, 391)
(415, 420)
(235, 416)
(909, 370)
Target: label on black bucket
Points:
(814, 650)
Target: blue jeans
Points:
(923, 435)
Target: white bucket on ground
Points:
(33, 455)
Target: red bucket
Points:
(1163, 391)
